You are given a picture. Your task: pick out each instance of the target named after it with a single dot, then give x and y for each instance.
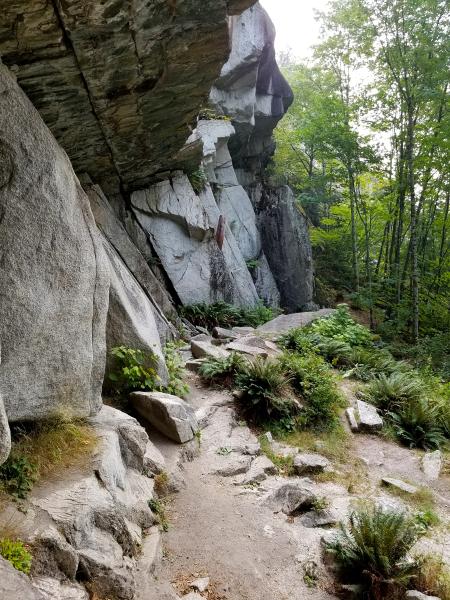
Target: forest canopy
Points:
(366, 148)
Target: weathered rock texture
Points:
(53, 273)
(91, 524)
(119, 83)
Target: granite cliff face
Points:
(166, 111)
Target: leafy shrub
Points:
(221, 314)
(416, 424)
(312, 379)
(373, 548)
(266, 391)
(17, 476)
(223, 370)
(341, 326)
(198, 180)
(133, 370)
(388, 391)
(297, 340)
(176, 370)
(16, 553)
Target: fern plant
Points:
(373, 548)
(223, 370)
(417, 425)
(266, 391)
(388, 391)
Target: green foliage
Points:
(15, 552)
(297, 340)
(159, 509)
(368, 363)
(426, 519)
(221, 314)
(17, 476)
(175, 368)
(252, 264)
(198, 180)
(340, 326)
(312, 380)
(416, 424)
(373, 549)
(390, 391)
(133, 370)
(223, 370)
(266, 391)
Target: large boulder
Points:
(131, 316)
(280, 220)
(182, 225)
(53, 274)
(172, 416)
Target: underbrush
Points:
(372, 549)
(433, 576)
(223, 370)
(415, 404)
(41, 449)
(221, 314)
(134, 370)
(15, 552)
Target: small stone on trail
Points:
(432, 464)
(310, 463)
(261, 467)
(194, 364)
(201, 585)
(399, 485)
(367, 417)
(205, 349)
(268, 437)
(415, 595)
(351, 418)
(318, 518)
(225, 334)
(193, 596)
(235, 465)
(289, 498)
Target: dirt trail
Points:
(221, 528)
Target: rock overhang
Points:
(118, 83)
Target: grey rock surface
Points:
(5, 433)
(285, 323)
(400, 485)
(172, 416)
(415, 595)
(181, 225)
(286, 244)
(290, 498)
(432, 464)
(14, 584)
(52, 589)
(205, 349)
(319, 518)
(130, 255)
(154, 55)
(53, 268)
(261, 467)
(131, 316)
(367, 417)
(309, 463)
